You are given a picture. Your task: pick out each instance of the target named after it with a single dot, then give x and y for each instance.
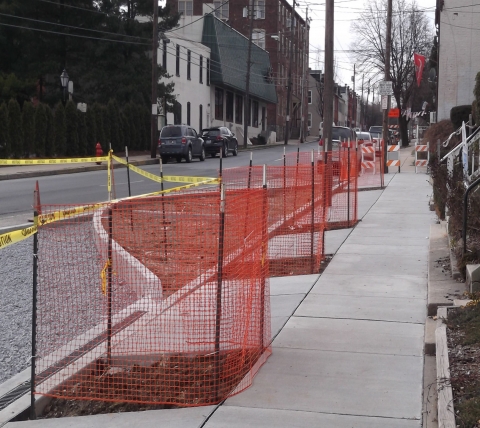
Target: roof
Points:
(229, 52)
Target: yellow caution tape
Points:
(172, 178)
(138, 170)
(103, 276)
(44, 219)
(51, 161)
(16, 236)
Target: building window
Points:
(258, 37)
(309, 122)
(200, 118)
(218, 104)
(255, 113)
(264, 117)
(260, 9)
(177, 63)
(185, 8)
(229, 107)
(238, 108)
(208, 71)
(201, 69)
(249, 113)
(188, 113)
(189, 65)
(164, 55)
(221, 9)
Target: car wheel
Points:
(202, 155)
(165, 159)
(213, 155)
(224, 151)
(179, 159)
(189, 155)
(235, 150)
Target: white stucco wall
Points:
(188, 91)
(459, 61)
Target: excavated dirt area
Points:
(174, 381)
(463, 337)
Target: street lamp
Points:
(64, 80)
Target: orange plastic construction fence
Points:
(161, 300)
(341, 169)
(296, 213)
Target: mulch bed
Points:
(463, 338)
(177, 380)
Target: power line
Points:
(71, 26)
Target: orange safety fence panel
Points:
(372, 168)
(295, 214)
(341, 194)
(160, 300)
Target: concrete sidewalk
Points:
(348, 344)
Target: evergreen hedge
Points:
(5, 149)
(15, 134)
(50, 134)
(60, 131)
(66, 131)
(40, 130)
(28, 126)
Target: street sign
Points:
(384, 102)
(385, 88)
(394, 112)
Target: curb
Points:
(31, 174)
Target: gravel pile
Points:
(15, 307)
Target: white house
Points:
(207, 61)
(459, 62)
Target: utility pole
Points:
(246, 107)
(354, 109)
(366, 107)
(289, 89)
(154, 118)
(304, 60)
(328, 76)
(388, 45)
(362, 108)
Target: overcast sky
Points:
(346, 12)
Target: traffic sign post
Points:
(385, 87)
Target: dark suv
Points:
(180, 141)
(220, 138)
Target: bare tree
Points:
(411, 33)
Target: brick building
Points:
(273, 35)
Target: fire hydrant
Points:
(98, 152)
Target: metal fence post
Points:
(33, 415)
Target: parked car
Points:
(220, 138)
(180, 142)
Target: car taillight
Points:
(219, 138)
(159, 142)
(184, 140)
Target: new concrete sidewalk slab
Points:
(355, 344)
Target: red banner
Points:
(419, 65)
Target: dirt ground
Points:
(463, 337)
(174, 381)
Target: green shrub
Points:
(50, 134)
(5, 149)
(40, 130)
(91, 131)
(99, 129)
(71, 129)
(460, 114)
(106, 129)
(15, 134)
(114, 122)
(82, 133)
(28, 126)
(261, 139)
(60, 145)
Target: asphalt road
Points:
(16, 196)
